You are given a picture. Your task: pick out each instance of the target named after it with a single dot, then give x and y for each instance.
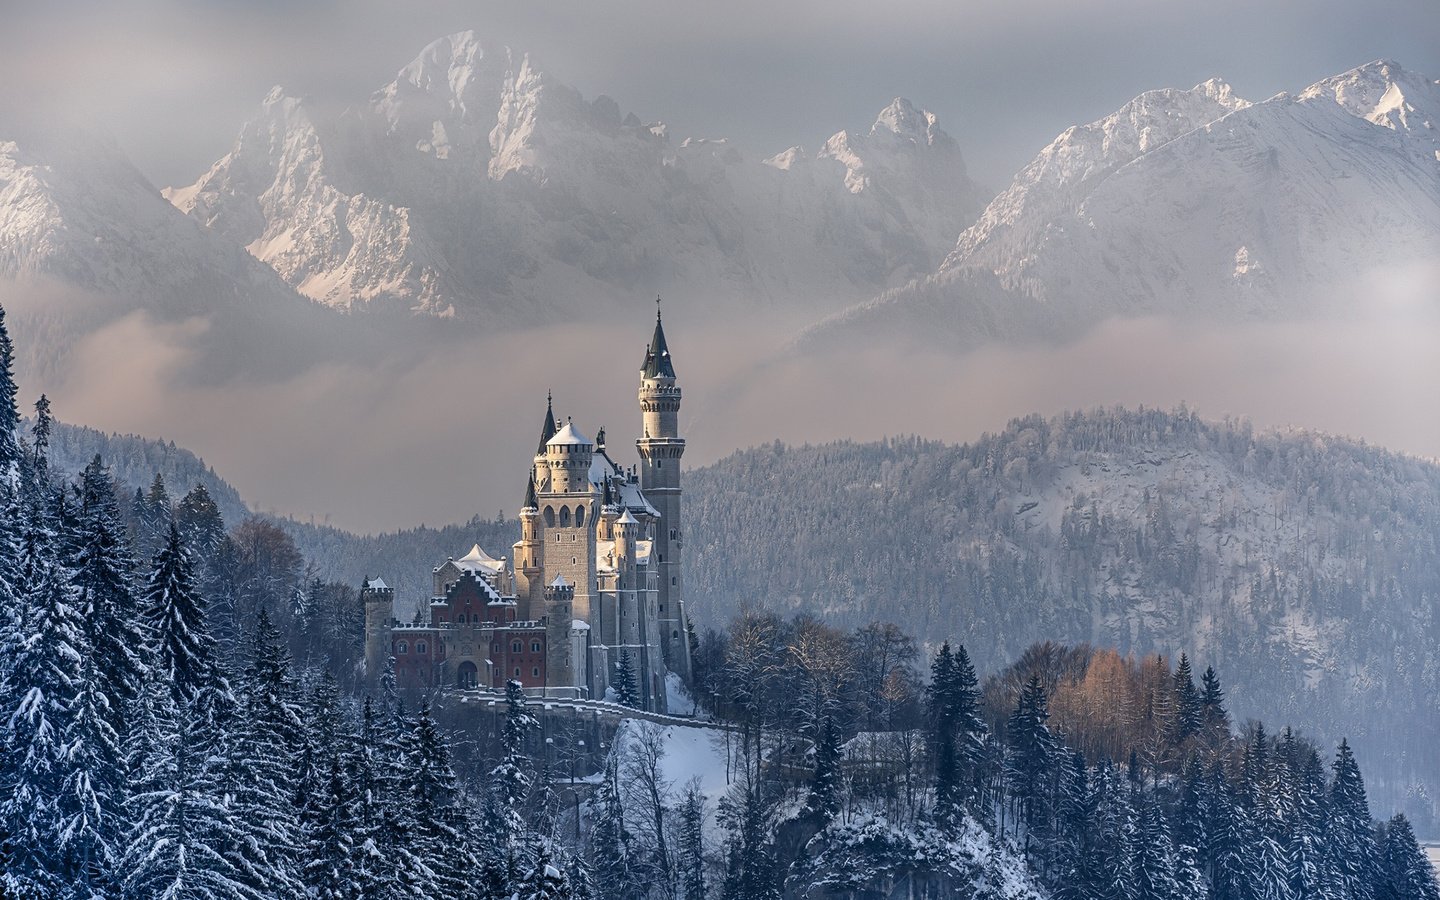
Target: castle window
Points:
(535, 671)
(517, 671)
(419, 646)
(559, 537)
(515, 647)
(579, 517)
(674, 579)
(564, 517)
(534, 646)
(495, 648)
(460, 618)
(662, 607)
(402, 647)
(674, 634)
(574, 561)
(550, 516)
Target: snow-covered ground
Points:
(691, 754)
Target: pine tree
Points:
(201, 525)
(1116, 836)
(44, 678)
(692, 842)
(944, 755)
(1264, 822)
(1405, 873)
(1189, 708)
(9, 413)
(1350, 836)
(545, 880)
(823, 801)
(1076, 874)
(184, 651)
(436, 841)
(260, 750)
(1212, 708)
(1155, 864)
(157, 514)
(179, 846)
(1310, 871)
(102, 568)
(1230, 862)
(1032, 752)
(627, 693)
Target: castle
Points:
(594, 587)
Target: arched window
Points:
(515, 647)
(564, 517)
(517, 671)
(579, 517)
(535, 671)
(402, 647)
(534, 646)
(550, 517)
(674, 634)
(419, 646)
(460, 618)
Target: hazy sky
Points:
(174, 79)
(365, 448)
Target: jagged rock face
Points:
(1195, 204)
(74, 209)
(478, 186)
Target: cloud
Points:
(442, 428)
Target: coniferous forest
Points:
(183, 714)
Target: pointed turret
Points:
(547, 431)
(531, 502)
(657, 356)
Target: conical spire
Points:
(657, 355)
(547, 431)
(531, 501)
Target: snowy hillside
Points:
(1302, 565)
(1196, 204)
(85, 240)
(476, 185)
(73, 208)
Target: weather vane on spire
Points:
(657, 307)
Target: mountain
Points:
(1192, 204)
(1304, 567)
(476, 185)
(85, 239)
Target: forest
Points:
(184, 714)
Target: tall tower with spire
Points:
(660, 447)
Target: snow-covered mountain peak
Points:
(1385, 94)
(1060, 176)
(478, 184)
(902, 119)
(901, 135)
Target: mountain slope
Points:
(1306, 568)
(1192, 204)
(85, 240)
(476, 185)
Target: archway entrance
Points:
(465, 675)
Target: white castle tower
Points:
(660, 447)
